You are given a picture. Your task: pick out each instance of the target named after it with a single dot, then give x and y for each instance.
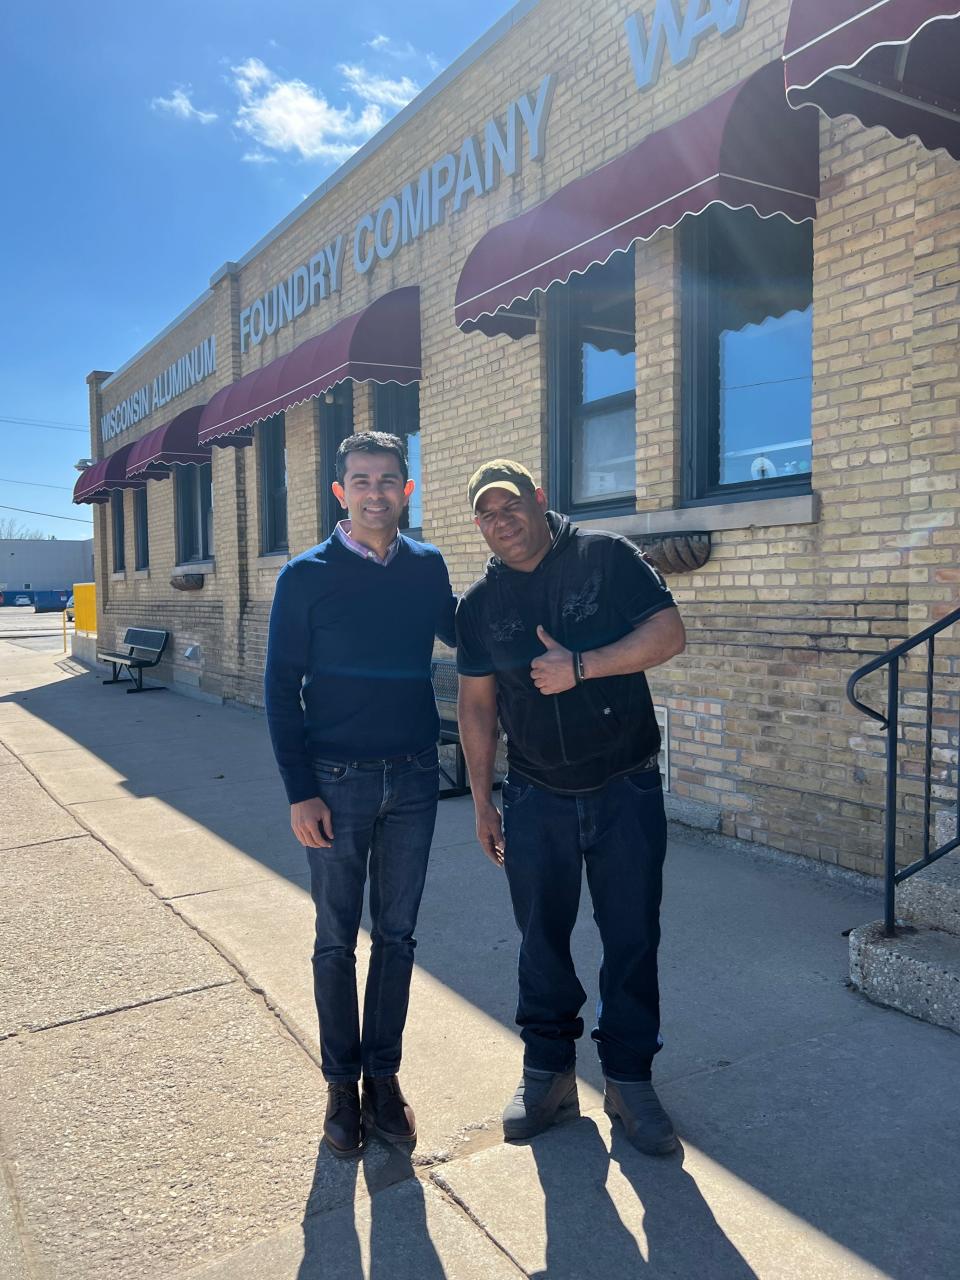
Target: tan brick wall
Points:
(780, 615)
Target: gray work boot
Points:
(542, 1099)
(637, 1107)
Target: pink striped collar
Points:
(343, 533)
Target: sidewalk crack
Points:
(125, 1008)
(451, 1196)
(287, 1025)
(22, 1236)
(36, 844)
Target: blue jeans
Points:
(382, 812)
(619, 833)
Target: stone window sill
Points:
(207, 567)
(141, 573)
(118, 575)
(273, 559)
(759, 514)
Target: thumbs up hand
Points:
(552, 672)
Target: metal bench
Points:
(443, 673)
(143, 649)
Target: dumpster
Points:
(50, 601)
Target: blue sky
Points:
(144, 146)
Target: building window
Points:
(334, 423)
(592, 381)
(397, 410)
(272, 446)
(747, 355)
(141, 537)
(194, 513)
(116, 519)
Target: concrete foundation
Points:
(916, 971)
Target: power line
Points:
(48, 426)
(35, 484)
(49, 514)
(45, 422)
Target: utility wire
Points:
(44, 422)
(49, 514)
(49, 426)
(35, 484)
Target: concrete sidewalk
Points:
(161, 1104)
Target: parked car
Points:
(69, 608)
(22, 600)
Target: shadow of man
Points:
(683, 1237)
(597, 1225)
(331, 1246)
(399, 1246)
(584, 1231)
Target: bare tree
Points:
(10, 527)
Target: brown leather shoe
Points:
(343, 1124)
(387, 1111)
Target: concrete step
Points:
(931, 898)
(918, 971)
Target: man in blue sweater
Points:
(354, 727)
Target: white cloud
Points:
(250, 76)
(378, 89)
(179, 105)
(258, 157)
(405, 51)
(289, 115)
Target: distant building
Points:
(41, 564)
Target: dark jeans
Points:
(384, 812)
(619, 833)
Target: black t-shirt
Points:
(590, 590)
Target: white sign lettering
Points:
(443, 187)
(680, 35)
(174, 381)
(447, 184)
(305, 286)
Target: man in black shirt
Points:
(555, 638)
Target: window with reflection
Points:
(593, 378)
(747, 355)
(117, 528)
(194, 489)
(272, 450)
(397, 410)
(141, 536)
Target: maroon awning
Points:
(173, 444)
(744, 149)
(893, 63)
(87, 488)
(381, 343)
(97, 482)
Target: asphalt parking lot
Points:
(39, 631)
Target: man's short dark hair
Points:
(371, 442)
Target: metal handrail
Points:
(891, 725)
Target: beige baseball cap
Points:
(501, 473)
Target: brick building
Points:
(697, 266)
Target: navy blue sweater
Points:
(354, 639)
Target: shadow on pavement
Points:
(753, 966)
(399, 1240)
(585, 1227)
